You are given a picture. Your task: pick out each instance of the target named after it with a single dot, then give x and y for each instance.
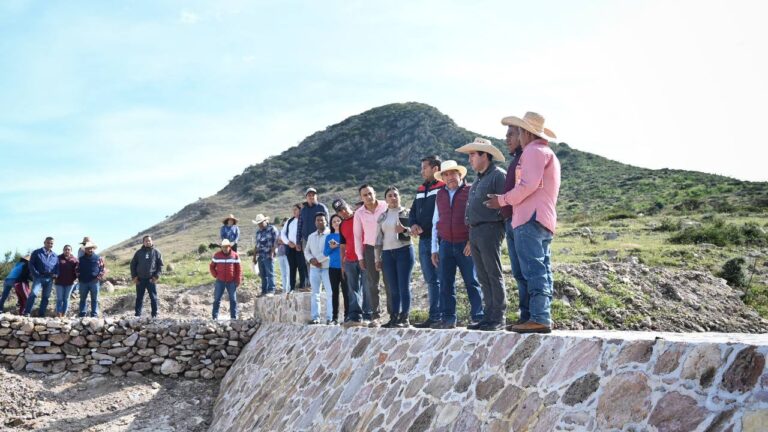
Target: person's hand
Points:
(153, 280)
(416, 229)
(333, 244)
(493, 201)
(292, 245)
(274, 254)
(135, 281)
(361, 263)
(467, 250)
(435, 259)
(314, 262)
(343, 273)
(298, 248)
(378, 265)
(399, 228)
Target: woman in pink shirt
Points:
(534, 218)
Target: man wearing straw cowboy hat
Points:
(534, 219)
(225, 268)
(230, 231)
(450, 246)
(264, 253)
(90, 271)
(486, 231)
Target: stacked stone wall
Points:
(190, 349)
(326, 378)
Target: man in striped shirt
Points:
(225, 267)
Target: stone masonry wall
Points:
(326, 378)
(192, 349)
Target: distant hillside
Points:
(384, 145)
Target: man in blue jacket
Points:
(306, 224)
(90, 272)
(422, 209)
(44, 267)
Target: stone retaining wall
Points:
(326, 378)
(192, 349)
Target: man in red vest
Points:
(450, 245)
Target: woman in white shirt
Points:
(395, 257)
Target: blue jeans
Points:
(451, 257)
(7, 287)
(532, 245)
(267, 273)
(63, 292)
(44, 284)
(397, 265)
(285, 270)
(316, 277)
(149, 286)
(517, 273)
(218, 292)
(93, 289)
(432, 277)
(355, 281)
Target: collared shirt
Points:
(266, 240)
(230, 232)
(366, 225)
(490, 181)
(509, 184)
(537, 186)
(316, 247)
(43, 263)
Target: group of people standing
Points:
(459, 226)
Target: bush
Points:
(668, 225)
(203, 248)
(723, 234)
(733, 272)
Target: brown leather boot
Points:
(531, 327)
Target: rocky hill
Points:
(384, 145)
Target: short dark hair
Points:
(48, 238)
(321, 214)
(146, 237)
(298, 205)
(391, 188)
(67, 246)
(363, 186)
(434, 161)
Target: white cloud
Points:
(188, 17)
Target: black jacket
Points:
(423, 207)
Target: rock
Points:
(206, 374)
(19, 364)
(581, 389)
(78, 341)
(676, 412)
(625, 399)
(171, 367)
(754, 421)
(100, 356)
(131, 339)
(192, 374)
(438, 385)
(42, 357)
(119, 352)
(743, 373)
(99, 369)
(487, 388)
(610, 235)
(58, 338)
(108, 287)
(701, 359)
(38, 367)
(141, 366)
(635, 352)
(12, 351)
(219, 372)
(162, 350)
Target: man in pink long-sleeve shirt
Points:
(534, 218)
(364, 227)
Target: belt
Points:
(486, 223)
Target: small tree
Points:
(733, 272)
(202, 249)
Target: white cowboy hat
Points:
(532, 122)
(260, 218)
(231, 216)
(225, 242)
(89, 245)
(483, 145)
(450, 165)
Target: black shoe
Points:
(446, 325)
(477, 325)
(426, 324)
(492, 326)
(436, 325)
(403, 322)
(393, 320)
(314, 321)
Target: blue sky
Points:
(114, 114)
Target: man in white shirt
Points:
(318, 270)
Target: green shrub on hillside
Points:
(733, 272)
(723, 234)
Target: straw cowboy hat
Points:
(85, 240)
(532, 122)
(450, 165)
(260, 218)
(89, 245)
(231, 216)
(483, 145)
(225, 242)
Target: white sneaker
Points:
(270, 294)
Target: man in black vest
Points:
(422, 211)
(450, 246)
